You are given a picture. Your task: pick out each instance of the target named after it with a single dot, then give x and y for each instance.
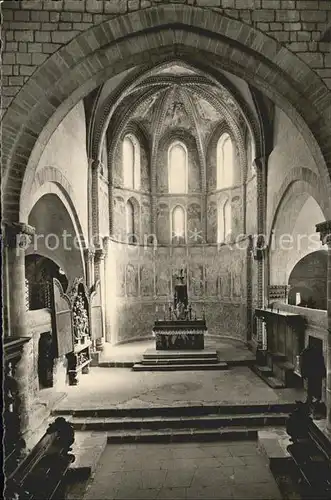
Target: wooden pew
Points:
(311, 458)
(42, 474)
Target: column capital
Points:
(17, 234)
(324, 228)
(89, 253)
(259, 247)
(99, 254)
(106, 240)
(96, 165)
(260, 162)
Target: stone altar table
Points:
(179, 334)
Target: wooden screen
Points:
(96, 323)
(62, 320)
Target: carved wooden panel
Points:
(62, 320)
(96, 323)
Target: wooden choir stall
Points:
(284, 343)
(77, 323)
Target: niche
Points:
(45, 360)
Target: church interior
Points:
(166, 249)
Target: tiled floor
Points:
(231, 470)
(121, 387)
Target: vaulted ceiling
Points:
(174, 95)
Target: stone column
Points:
(99, 274)
(260, 165)
(89, 265)
(325, 232)
(108, 300)
(17, 237)
(96, 168)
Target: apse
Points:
(180, 176)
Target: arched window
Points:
(178, 225)
(177, 168)
(224, 221)
(130, 222)
(224, 162)
(131, 162)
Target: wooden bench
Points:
(41, 475)
(312, 460)
(314, 469)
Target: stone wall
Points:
(66, 152)
(103, 207)
(35, 29)
(290, 152)
(38, 321)
(145, 278)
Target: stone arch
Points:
(57, 203)
(240, 170)
(195, 34)
(120, 126)
(313, 186)
(178, 207)
(115, 152)
(283, 254)
(132, 200)
(53, 179)
(190, 144)
(54, 188)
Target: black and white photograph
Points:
(166, 249)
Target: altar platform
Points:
(178, 360)
(126, 355)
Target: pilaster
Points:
(325, 233)
(89, 265)
(260, 249)
(96, 169)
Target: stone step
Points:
(265, 370)
(269, 379)
(138, 367)
(116, 364)
(178, 410)
(87, 448)
(183, 435)
(198, 353)
(275, 383)
(179, 361)
(159, 423)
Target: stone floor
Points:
(121, 387)
(229, 350)
(231, 470)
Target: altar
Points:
(179, 334)
(180, 329)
